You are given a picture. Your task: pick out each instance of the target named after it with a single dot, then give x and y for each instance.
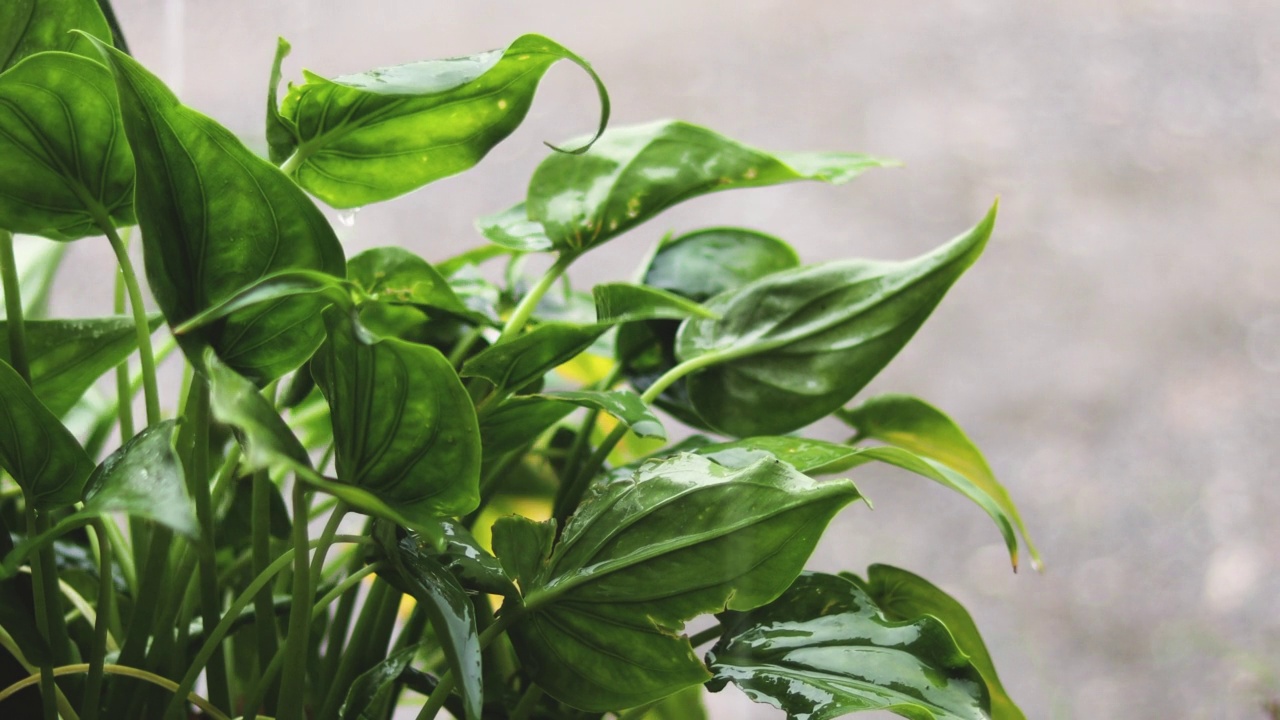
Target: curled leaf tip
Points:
(603, 93)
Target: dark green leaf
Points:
(641, 556)
(404, 426)
(67, 168)
(633, 173)
(19, 620)
(31, 26)
(624, 405)
(273, 288)
(144, 479)
(235, 527)
(373, 136)
(522, 547)
(40, 453)
(623, 302)
(395, 275)
(216, 218)
(794, 346)
(416, 572)
(281, 136)
(513, 230)
(824, 650)
(518, 422)
(68, 356)
(916, 426)
(512, 365)
(904, 596)
(371, 688)
(683, 705)
(470, 563)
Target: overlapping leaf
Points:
(794, 346)
(41, 455)
(513, 365)
(31, 26)
(395, 275)
(144, 479)
(364, 138)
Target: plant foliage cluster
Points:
(387, 479)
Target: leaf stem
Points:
(264, 622)
(39, 592)
(707, 635)
(293, 683)
(98, 652)
(524, 310)
(447, 681)
(124, 388)
(528, 702)
(126, 671)
(291, 164)
(150, 388)
(8, 643)
(13, 307)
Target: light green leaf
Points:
(31, 26)
(395, 275)
(67, 168)
(144, 479)
(513, 230)
(824, 650)
(216, 218)
(43, 457)
(641, 556)
(272, 288)
(624, 405)
(380, 134)
(914, 425)
(282, 137)
(512, 365)
(794, 346)
(633, 173)
(624, 302)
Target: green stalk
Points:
(528, 702)
(382, 599)
(8, 643)
(39, 590)
(524, 310)
(293, 683)
(707, 635)
(124, 387)
(150, 388)
(491, 633)
(264, 613)
(13, 307)
(98, 653)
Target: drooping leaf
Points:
(624, 405)
(67, 168)
(373, 136)
(824, 650)
(371, 687)
(68, 356)
(215, 218)
(513, 230)
(624, 302)
(697, 266)
(395, 275)
(416, 572)
(641, 556)
(43, 457)
(144, 479)
(633, 173)
(794, 346)
(512, 365)
(404, 426)
(470, 563)
(905, 596)
(916, 426)
(31, 26)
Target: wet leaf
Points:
(513, 365)
(513, 230)
(371, 687)
(395, 275)
(623, 302)
(624, 405)
(474, 567)
(144, 479)
(273, 288)
(824, 650)
(380, 134)
(41, 455)
(31, 26)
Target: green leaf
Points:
(470, 563)
(404, 427)
(414, 571)
(523, 547)
(683, 705)
(518, 422)
(373, 136)
(144, 479)
(794, 346)
(68, 356)
(273, 288)
(512, 365)
(371, 688)
(914, 425)
(281, 135)
(68, 171)
(824, 650)
(641, 556)
(43, 457)
(904, 596)
(215, 218)
(513, 230)
(624, 405)
(633, 173)
(395, 275)
(235, 525)
(31, 26)
(624, 302)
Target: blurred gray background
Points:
(1116, 352)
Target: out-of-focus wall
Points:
(1116, 351)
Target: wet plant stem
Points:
(150, 388)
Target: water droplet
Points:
(348, 217)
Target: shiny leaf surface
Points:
(513, 230)
(371, 687)
(624, 405)
(31, 26)
(273, 288)
(144, 479)
(633, 173)
(395, 275)
(512, 365)
(474, 567)
(518, 422)
(67, 168)
(379, 134)
(623, 302)
(794, 346)
(824, 650)
(38, 451)
(641, 556)
(215, 218)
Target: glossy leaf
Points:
(518, 422)
(216, 218)
(379, 134)
(513, 230)
(683, 705)
(512, 365)
(904, 596)
(41, 455)
(794, 346)
(824, 650)
(404, 427)
(623, 302)
(624, 405)
(272, 289)
(633, 173)
(371, 688)
(474, 567)
(395, 275)
(144, 479)
(67, 168)
(31, 26)
(416, 572)
(916, 426)
(68, 356)
(523, 547)
(641, 556)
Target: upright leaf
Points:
(373, 686)
(68, 171)
(370, 137)
(404, 427)
(912, 424)
(31, 26)
(144, 479)
(641, 556)
(68, 356)
(793, 346)
(633, 173)
(904, 596)
(824, 650)
(43, 457)
(215, 218)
